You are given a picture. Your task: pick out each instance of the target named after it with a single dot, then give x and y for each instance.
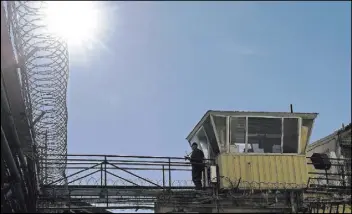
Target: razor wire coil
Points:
(43, 62)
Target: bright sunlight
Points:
(75, 21)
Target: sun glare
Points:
(75, 21)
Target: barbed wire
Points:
(242, 193)
(257, 194)
(78, 180)
(43, 59)
(227, 183)
(238, 183)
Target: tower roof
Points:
(311, 116)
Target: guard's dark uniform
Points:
(197, 167)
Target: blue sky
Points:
(162, 65)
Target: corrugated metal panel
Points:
(304, 139)
(263, 170)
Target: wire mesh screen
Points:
(43, 59)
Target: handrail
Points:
(341, 159)
(123, 156)
(114, 165)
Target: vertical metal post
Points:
(293, 202)
(282, 135)
(343, 172)
(169, 172)
(101, 175)
(246, 137)
(217, 204)
(40, 164)
(218, 177)
(227, 135)
(203, 177)
(105, 178)
(107, 198)
(69, 200)
(163, 176)
(46, 158)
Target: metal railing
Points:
(116, 180)
(163, 168)
(329, 190)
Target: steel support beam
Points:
(5, 104)
(7, 154)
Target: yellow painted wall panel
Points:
(304, 170)
(229, 162)
(243, 170)
(255, 168)
(279, 175)
(285, 163)
(236, 162)
(297, 172)
(273, 169)
(304, 139)
(261, 171)
(290, 170)
(265, 169)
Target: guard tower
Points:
(259, 152)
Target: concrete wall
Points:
(331, 145)
(326, 146)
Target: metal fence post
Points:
(169, 172)
(69, 200)
(163, 176)
(105, 173)
(105, 178)
(101, 174)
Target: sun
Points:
(75, 21)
